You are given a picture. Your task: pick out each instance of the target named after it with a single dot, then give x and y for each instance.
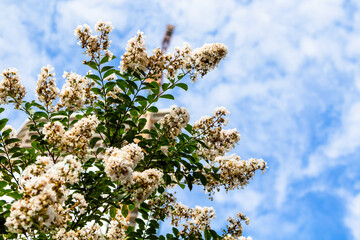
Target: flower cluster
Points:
(11, 87)
(145, 183)
(80, 202)
(218, 140)
(84, 233)
(173, 122)
(43, 195)
(157, 63)
(199, 61)
(42, 164)
(234, 173)
(69, 169)
(76, 140)
(117, 227)
(90, 96)
(135, 59)
(46, 90)
(234, 228)
(54, 133)
(206, 58)
(120, 163)
(93, 44)
(73, 93)
(197, 219)
(229, 237)
(181, 59)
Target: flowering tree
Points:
(94, 157)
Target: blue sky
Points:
(291, 81)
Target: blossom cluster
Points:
(234, 228)
(11, 87)
(117, 227)
(199, 61)
(75, 140)
(229, 237)
(135, 59)
(234, 173)
(175, 121)
(206, 58)
(93, 44)
(54, 133)
(179, 60)
(197, 219)
(84, 233)
(43, 195)
(46, 89)
(73, 95)
(81, 203)
(145, 183)
(120, 163)
(218, 140)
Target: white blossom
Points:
(120, 163)
(175, 121)
(11, 87)
(73, 92)
(46, 90)
(135, 58)
(145, 183)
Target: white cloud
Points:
(352, 219)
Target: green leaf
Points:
(113, 212)
(35, 145)
(182, 85)
(108, 73)
(39, 115)
(214, 234)
(180, 76)
(175, 231)
(131, 207)
(91, 64)
(167, 96)
(207, 234)
(104, 69)
(15, 195)
(201, 177)
(189, 181)
(2, 109)
(11, 140)
(124, 211)
(93, 76)
(153, 109)
(3, 123)
(109, 86)
(3, 184)
(93, 141)
(106, 59)
(97, 91)
(165, 86)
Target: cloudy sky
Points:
(291, 81)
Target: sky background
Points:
(291, 81)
